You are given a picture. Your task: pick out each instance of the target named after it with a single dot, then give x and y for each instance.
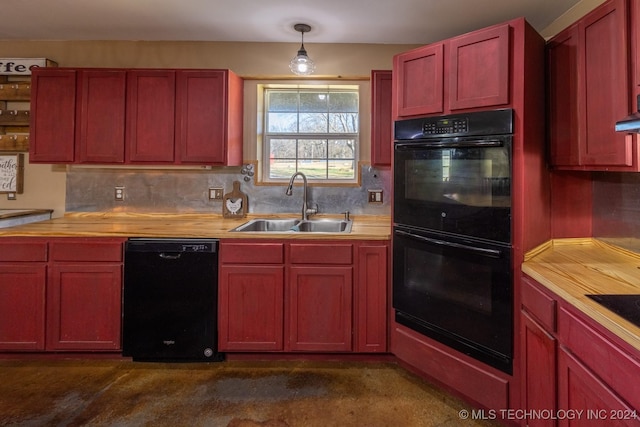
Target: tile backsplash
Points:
(187, 190)
(616, 208)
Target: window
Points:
(311, 130)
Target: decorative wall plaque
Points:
(11, 173)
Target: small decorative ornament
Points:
(235, 204)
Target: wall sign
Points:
(23, 66)
(11, 173)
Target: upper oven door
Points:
(455, 185)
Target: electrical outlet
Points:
(375, 196)
(119, 194)
(215, 193)
(11, 196)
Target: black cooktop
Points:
(626, 306)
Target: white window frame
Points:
(263, 152)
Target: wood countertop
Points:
(188, 225)
(573, 268)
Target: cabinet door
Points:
(101, 116)
(604, 99)
(371, 299)
(22, 306)
(418, 84)
(320, 308)
(538, 370)
(381, 118)
(201, 116)
(479, 69)
(53, 116)
(251, 300)
(84, 306)
(580, 390)
(562, 68)
(150, 116)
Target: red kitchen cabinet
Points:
(381, 118)
(319, 296)
(209, 117)
(303, 296)
(539, 357)
(53, 116)
(479, 69)
(320, 308)
(589, 90)
(251, 297)
(464, 72)
(419, 81)
(84, 306)
(580, 390)
(22, 306)
(23, 278)
(100, 116)
(84, 294)
(251, 308)
(371, 302)
(150, 116)
(570, 363)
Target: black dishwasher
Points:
(170, 300)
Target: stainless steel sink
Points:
(324, 226)
(296, 226)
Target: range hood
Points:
(630, 123)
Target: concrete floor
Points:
(227, 394)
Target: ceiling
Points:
(332, 21)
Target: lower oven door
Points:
(457, 291)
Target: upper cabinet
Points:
(116, 116)
(464, 72)
(381, 118)
(589, 89)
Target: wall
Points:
(47, 187)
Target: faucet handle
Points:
(346, 216)
(313, 210)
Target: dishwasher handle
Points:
(165, 255)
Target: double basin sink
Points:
(296, 226)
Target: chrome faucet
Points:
(306, 211)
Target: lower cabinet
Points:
(298, 296)
(60, 294)
(570, 366)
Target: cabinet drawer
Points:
(539, 304)
(86, 250)
(251, 253)
(609, 362)
(315, 253)
(23, 251)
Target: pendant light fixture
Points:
(302, 65)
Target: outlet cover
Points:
(215, 193)
(374, 196)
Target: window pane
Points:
(283, 101)
(341, 149)
(343, 123)
(281, 169)
(312, 149)
(313, 169)
(282, 122)
(341, 169)
(313, 123)
(313, 102)
(343, 102)
(283, 148)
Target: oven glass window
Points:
(463, 190)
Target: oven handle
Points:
(467, 143)
(492, 253)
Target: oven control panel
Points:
(446, 126)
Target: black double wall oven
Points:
(452, 247)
